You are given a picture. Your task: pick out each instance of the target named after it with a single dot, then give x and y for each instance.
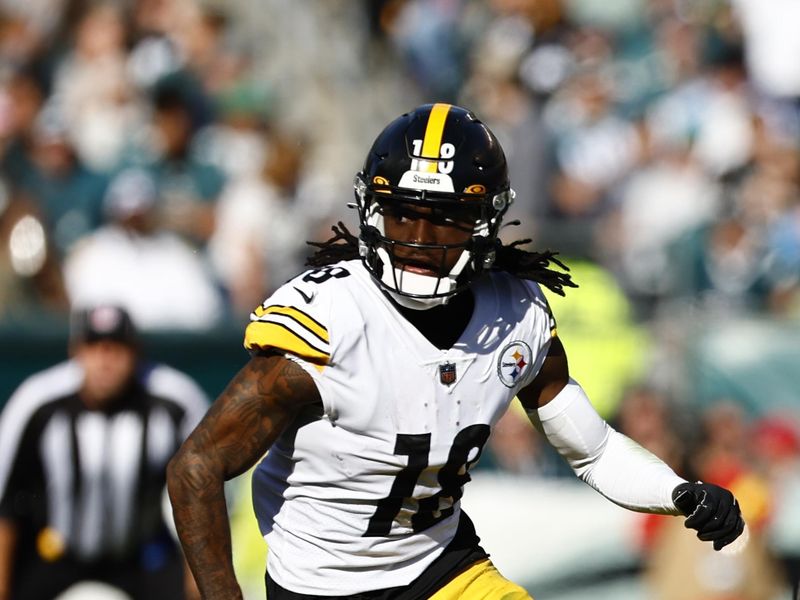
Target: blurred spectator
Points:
(22, 38)
(23, 96)
(517, 448)
(260, 235)
(771, 41)
(188, 187)
(427, 37)
(784, 242)
(497, 91)
(594, 147)
(645, 416)
(132, 262)
(215, 59)
(82, 468)
(722, 457)
(41, 17)
(769, 187)
(95, 90)
(725, 266)
(741, 262)
(238, 142)
(49, 173)
(668, 196)
(775, 447)
(679, 566)
(723, 133)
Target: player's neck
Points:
(442, 325)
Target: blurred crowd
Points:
(190, 148)
(174, 156)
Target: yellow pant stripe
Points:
(481, 581)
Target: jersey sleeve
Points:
(292, 321)
(552, 326)
(541, 328)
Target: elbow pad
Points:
(613, 464)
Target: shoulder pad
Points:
(292, 320)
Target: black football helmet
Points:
(441, 157)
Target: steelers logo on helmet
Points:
(437, 159)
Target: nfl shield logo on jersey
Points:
(447, 373)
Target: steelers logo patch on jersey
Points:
(514, 362)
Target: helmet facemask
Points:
(478, 215)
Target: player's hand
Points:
(710, 510)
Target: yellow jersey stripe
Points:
(294, 325)
(260, 334)
(297, 315)
(432, 142)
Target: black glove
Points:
(711, 510)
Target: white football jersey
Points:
(365, 494)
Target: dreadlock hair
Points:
(533, 266)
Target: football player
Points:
(375, 380)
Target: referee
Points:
(83, 451)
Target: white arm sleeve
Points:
(613, 464)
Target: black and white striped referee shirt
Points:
(93, 480)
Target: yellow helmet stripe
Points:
(432, 142)
(261, 335)
(312, 325)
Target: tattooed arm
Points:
(249, 415)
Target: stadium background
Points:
(174, 157)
